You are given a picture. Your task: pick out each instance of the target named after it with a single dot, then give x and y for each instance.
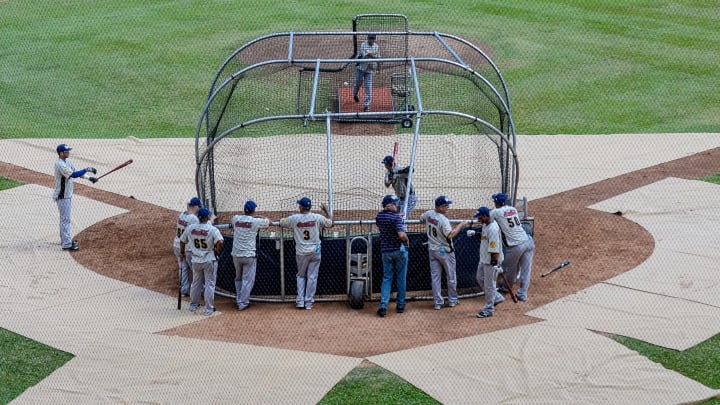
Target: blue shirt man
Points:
(394, 245)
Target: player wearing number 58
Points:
(306, 226)
(518, 247)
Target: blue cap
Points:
(195, 202)
(305, 203)
(482, 212)
(499, 198)
(388, 160)
(371, 36)
(63, 148)
(442, 200)
(250, 206)
(389, 199)
(204, 213)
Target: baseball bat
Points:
(395, 151)
(117, 168)
(512, 294)
(180, 288)
(556, 268)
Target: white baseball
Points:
(346, 84)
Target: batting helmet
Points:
(305, 203)
(388, 160)
(499, 198)
(249, 207)
(204, 213)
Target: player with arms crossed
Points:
(490, 264)
(206, 243)
(306, 227)
(246, 229)
(519, 248)
(441, 251)
(185, 219)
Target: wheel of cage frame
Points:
(406, 123)
(357, 293)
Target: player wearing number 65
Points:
(518, 247)
(306, 227)
(441, 251)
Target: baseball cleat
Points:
(437, 306)
(73, 248)
(208, 311)
(300, 305)
(453, 304)
(193, 308)
(483, 314)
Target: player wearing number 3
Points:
(306, 228)
(519, 248)
(441, 251)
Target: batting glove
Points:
(91, 170)
(93, 179)
(470, 233)
(498, 268)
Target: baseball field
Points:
(616, 108)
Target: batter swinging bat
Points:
(507, 285)
(556, 268)
(117, 168)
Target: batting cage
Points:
(284, 119)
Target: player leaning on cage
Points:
(306, 228)
(441, 252)
(65, 175)
(206, 243)
(397, 177)
(518, 247)
(185, 219)
(245, 228)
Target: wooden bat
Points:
(117, 168)
(556, 268)
(507, 285)
(394, 155)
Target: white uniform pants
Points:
(245, 268)
(438, 262)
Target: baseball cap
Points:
(371, 36)
(305, 203)
(482, 211)
(204, 213)
(389, 199)
(442, 200)
(250, 206)
(63, 148)
(387, 160)
(499, 198)
(195, 202)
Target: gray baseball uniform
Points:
(519, 248)
(442, 256)
(244, 257)
(398, 179)
(184, 220)
(306, 232)
(490, 242)
(202, 238)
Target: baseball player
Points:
(441, 251)
(519, 248)
(206, 243)
(397, 177)
(306, 227)
(186, 218)
(65, 174)
(490, 264)
(246, 229)
(369, 49)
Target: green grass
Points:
(698, 362)
(715, 178)
(24, 363)
(6, 183)
(371, 385)
(108, 69)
